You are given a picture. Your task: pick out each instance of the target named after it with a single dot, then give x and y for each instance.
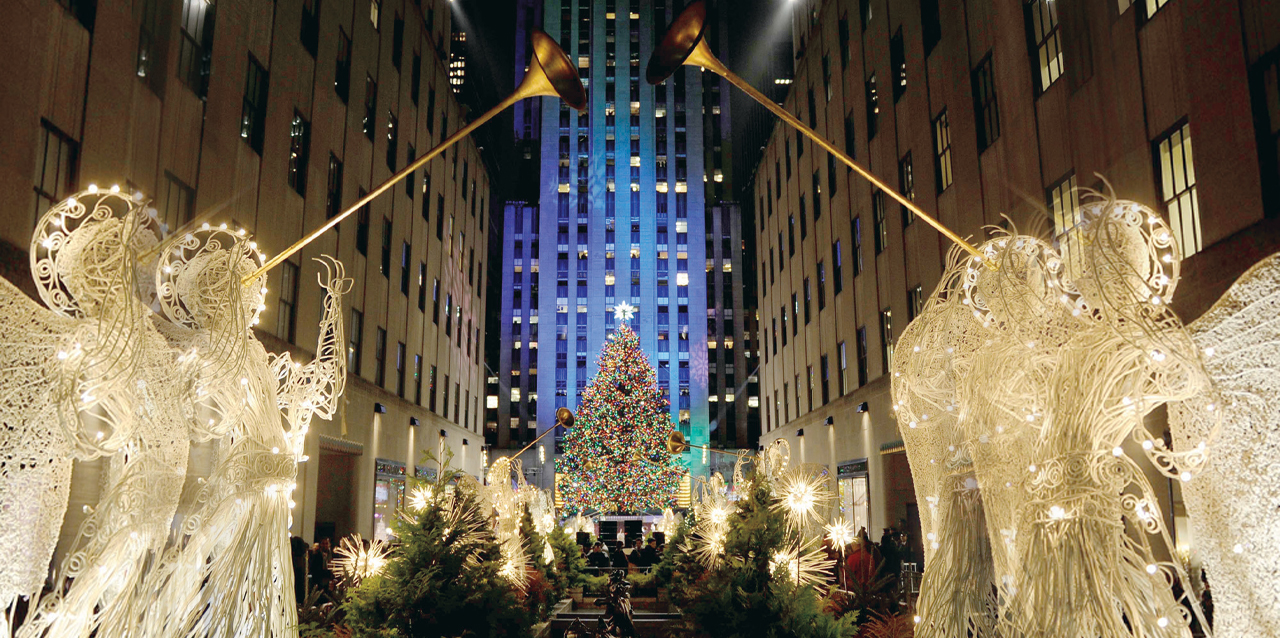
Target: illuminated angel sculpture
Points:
(1051, 362)
(229, 573)
(1232, 504)
(74, 376)
(934, 357)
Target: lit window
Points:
(1064, 204)
(1178, 189)
(1042, 20)
(491, 401)
(564, 188)
(662, 187)
(682, 279)
(515, 394)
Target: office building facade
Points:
(979, 111)
(280, 115)
(624, 209)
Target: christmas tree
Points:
(615, 457)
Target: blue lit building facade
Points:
(617, 209)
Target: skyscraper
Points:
(619, 213)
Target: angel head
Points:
(1018, 295)
(1121, 260)
(200, 279)
(84, 250)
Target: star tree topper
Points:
(624, 311)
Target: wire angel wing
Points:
(1232, 503)
(35, 467)
(313, 389)
(67, 372)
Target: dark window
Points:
(333, 194)
(342, 69)
(448, 315)
(362, 227)
(85, 11)
(385, 267)
(897, 65)
(826, 380)
(393, 140)
(826, 75)
(804, 224)
(881, 227)
(915, 303)
(440, 216)
(942, 152)
(55, 175)
(405, 252)
(355, 342)
(299, 153)
(985, 107)
(431, 389)
(862, 355)
(837, 268)
(930, 25)
(864, 13)
(791, 235)
(195, 47)
(287, 313)
(813, 114)
(857, 246)
(1044, 41)
(850, 136)
(253, 112)
(807, 296)
(415, 83)
(873, 108)
(831, 175)
(380, 358)
(148, 45)
(370, 106)
(422, 287)
(310, 25)
(435, 302)
(822, 286)
(817, 192)
(397, 41)
(843, 380)
(409, 181)
(417, 379)
(886, 338)
(400, 354)
(907, 186)
(179, 199)
(844, 41)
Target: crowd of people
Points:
(865, 562)
(639, 556)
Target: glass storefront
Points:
(854, 490)
(388, 496)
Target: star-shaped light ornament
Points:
(624, 311)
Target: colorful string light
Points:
(615, 456)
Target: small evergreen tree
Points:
(443, 579)
(743, 596)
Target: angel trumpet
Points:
(550, 74)
(685, 44)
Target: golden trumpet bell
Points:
(564, 418)
(679, 46)
(676, 443)
(552, 73)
